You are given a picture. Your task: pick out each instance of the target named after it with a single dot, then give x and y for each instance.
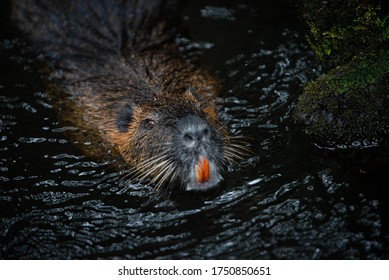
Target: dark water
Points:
(289, 200)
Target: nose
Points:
(193, 130)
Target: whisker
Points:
(144, 170)
(164, 172)
(153, 170)
(151, 162)
(236, 149)
(168, 173)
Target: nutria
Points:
(117, 63)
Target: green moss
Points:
(340, 29)
(349, 103)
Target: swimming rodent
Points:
(117, 64)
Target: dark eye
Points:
(149, 123)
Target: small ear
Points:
(201, 100)
(193, 94)
(124, 117)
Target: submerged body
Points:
(115, 61)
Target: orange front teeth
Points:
(203, 170)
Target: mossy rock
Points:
(349, 104)
(337, 30)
